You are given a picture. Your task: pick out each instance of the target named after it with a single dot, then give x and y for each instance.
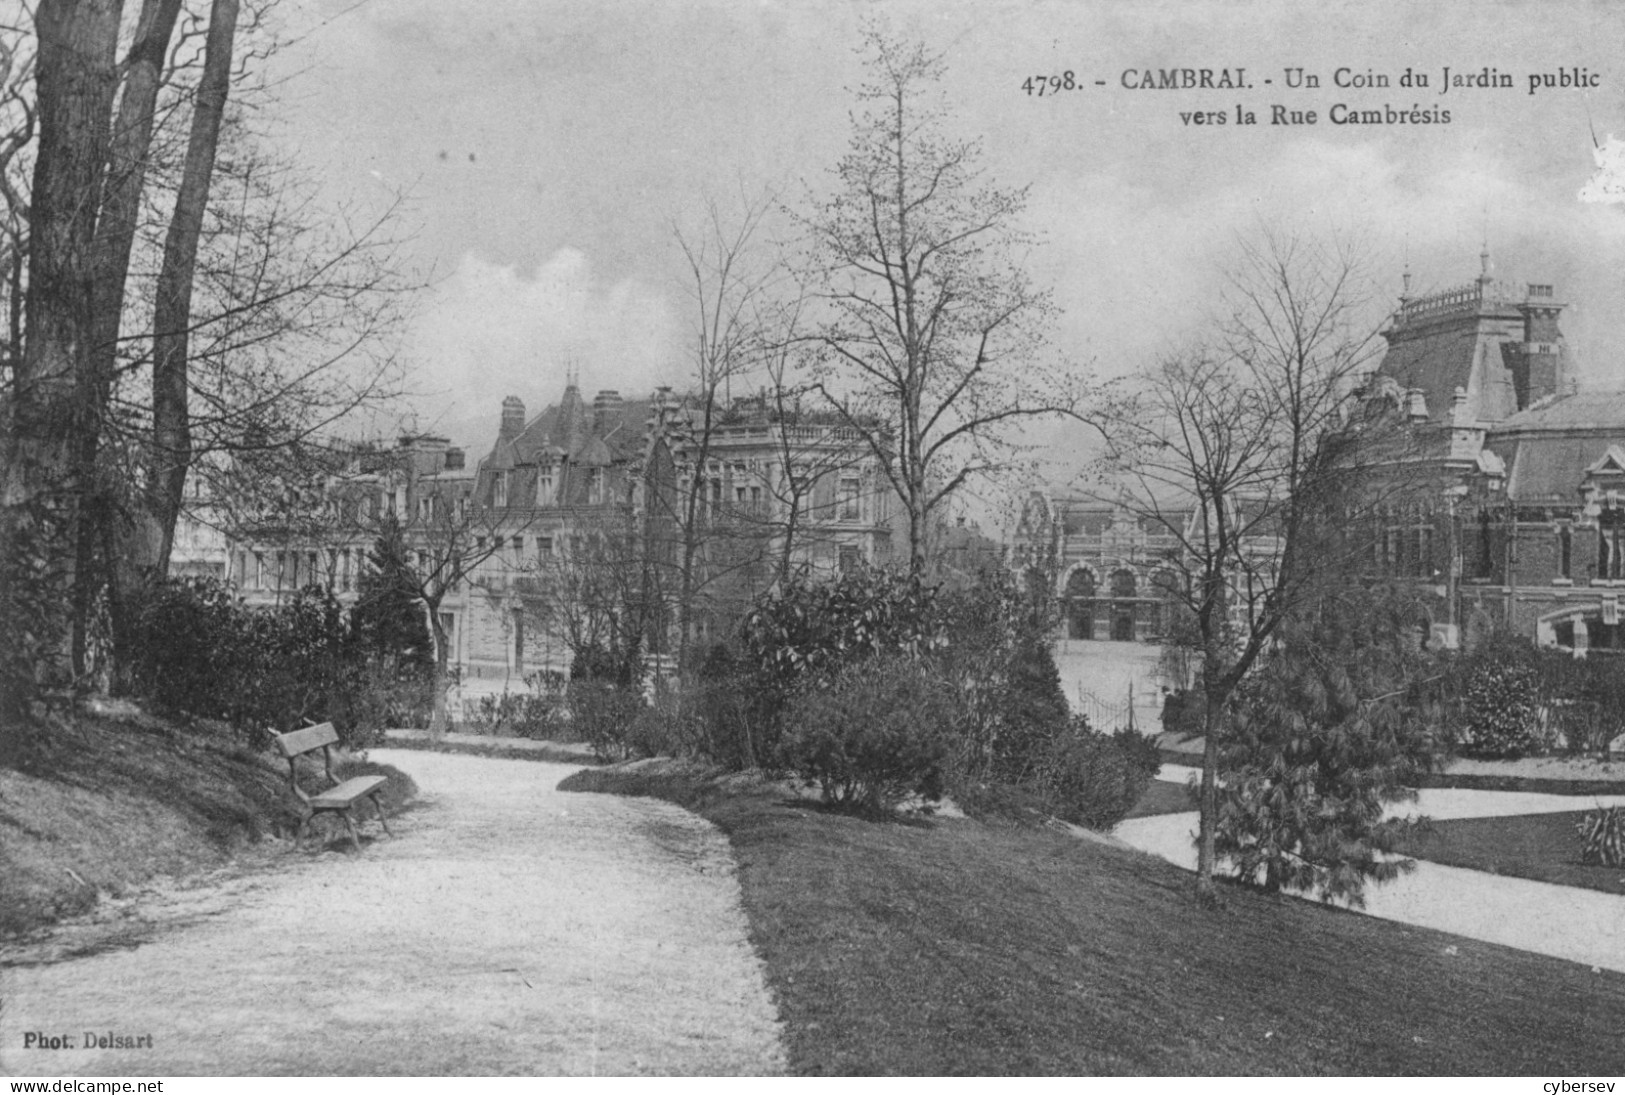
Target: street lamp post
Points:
(1451, 639)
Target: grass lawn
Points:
(1543, 847)
(953, 947)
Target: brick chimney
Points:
(513, 418)
(454, 459)
(606, 411)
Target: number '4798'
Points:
(1049, 85)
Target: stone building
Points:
(1110, 567)
(606, 492)
(1505, 498)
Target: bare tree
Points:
(193, 324)
(932, 335)
(451, 536)
(601, 589)
(727, 283)
(1241, 450)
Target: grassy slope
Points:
(120, 800)
(954, 947)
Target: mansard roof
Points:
(1551, 448)
(1574, 411)
(569, 430)
(1438, 362)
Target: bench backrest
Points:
(299, 742)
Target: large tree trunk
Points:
(75, 84)
(115, 237)
(171, 421)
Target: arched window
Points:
(1080, 605)
(1122, 584)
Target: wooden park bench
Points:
(340, 798)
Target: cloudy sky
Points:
(547, 147)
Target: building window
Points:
(544, 546)
(849, 499)
(1419, 546)
(518, 546)
(1564, 633)
(595, 486)
(499, 490)
(1609, 542)
(1565, 553)
(849, 558)
(544, 486)
(518, 638)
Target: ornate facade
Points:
(1108, 566)
(614, 483)
(1506, 497)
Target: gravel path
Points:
(1585, 926)
(507, 929)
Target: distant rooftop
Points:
(1470, 299)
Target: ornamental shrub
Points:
(193, 648)
(1602, 836)
(873, 736)
(732, 723)
(202, 652)
(603, 714)
(1501, 710)
(1093, 779)
(808, 629)
(538, 713)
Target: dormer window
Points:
(499, 490)
(595, 486)
(545, 485)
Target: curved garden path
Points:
(507, 928)
(1586, 926)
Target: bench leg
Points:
(349, 824)
(379, 806)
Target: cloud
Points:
(490, 331)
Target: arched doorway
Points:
(1123, 605)
(1080, 605)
